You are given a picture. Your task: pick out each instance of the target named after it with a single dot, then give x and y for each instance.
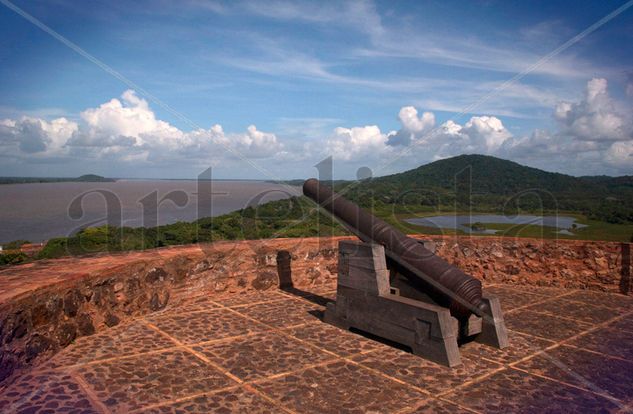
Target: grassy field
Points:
(595, 230)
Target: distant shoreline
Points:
(49, 180)
(88, 178)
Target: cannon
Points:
(393, 286)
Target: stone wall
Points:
(562, 263)
(46, 305)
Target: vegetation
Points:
(470, 183)
(12, 258)
(91, 178)
(478, 226)
(15, 244)
(482, 183)
(294, 217)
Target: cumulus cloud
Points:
(594, 118)
(480, 134)
(596, 128)
(127, 129)
(620, 154)
(33, 135)
(413, 126)
(358, 142)
(125, 122)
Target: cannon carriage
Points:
(394, 287)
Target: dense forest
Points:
(465, 183)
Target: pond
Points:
(464, 222)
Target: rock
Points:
(219, 286)
(313, 274)
(111, 320)
(45, 313)
(264, 280)
(156, 303)
(84, 324)
(497, 252)
(36, 345)
(16, 326)
(66, 333)
(602, 263)
(202, 266)
(118, 286)
(133, 287)
(72, 300)
(155, 275)
(8, 364)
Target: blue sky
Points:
(268, 89)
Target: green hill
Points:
(497, 185)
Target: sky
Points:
(268, 89)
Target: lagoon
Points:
(463, 222)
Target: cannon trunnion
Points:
(394, 287)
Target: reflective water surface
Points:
(40, 211)
(464, 222)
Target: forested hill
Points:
(489, 175)
(497, 184)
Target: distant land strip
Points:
(88, 178)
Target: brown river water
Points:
(40, 211)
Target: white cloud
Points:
(413, 126)
(620, 155)
(358, 142)
(594, 133)
(486, 132)
(595, 129)
(595, 118)
(34, 135)
(411, 122)
(129, 131)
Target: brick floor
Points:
(570, 351)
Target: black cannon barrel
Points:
(461, 291)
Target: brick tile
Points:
(584, 369)
(128, 339)
(262, 355)
(340, 387)
(607, 340)
(579, 311)
(333, 339)
(205, 326)
(521, 346)
(283, 314)
(131, 383)
(513, 297)
(422, 373)
(230, 401)
(544, 325)
(44, 392)
(512, 391)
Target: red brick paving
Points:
(270, 353)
